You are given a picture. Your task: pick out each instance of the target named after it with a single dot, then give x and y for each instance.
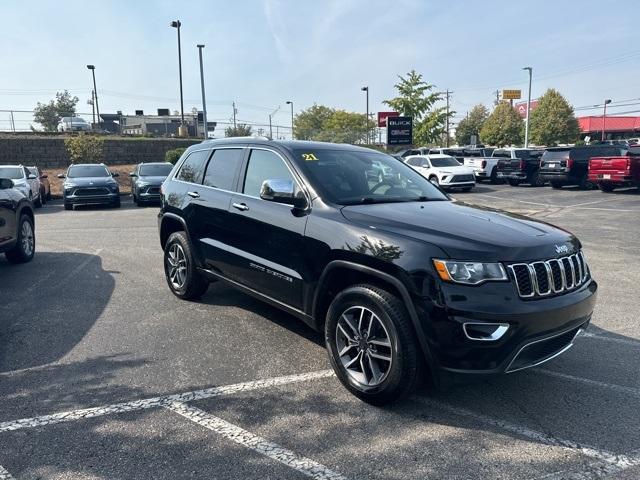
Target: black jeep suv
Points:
(17, 233)
(402, 280)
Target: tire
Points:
(43, 197)
(513, 183)
(467, 189)
(25, 246)
(606, 187)
(38, 203)
(556, 185)
(585, 184)
(396, 377)
(178, 257)
(434, 179)
(68, 206)
(535, 180)
(494, 176)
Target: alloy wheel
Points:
(177, 266)
(27, 237)
(364, 346)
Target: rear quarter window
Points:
(192, 170)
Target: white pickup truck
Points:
(483, 163)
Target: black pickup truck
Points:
(570, 165)
(519, 165)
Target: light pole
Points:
(366, 118)
(204, 101)
(526, 125)
(270, 125)
(289, 102)
(176, 24)
(95, 90)
(604, 116)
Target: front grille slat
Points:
(462, 178)
(550, 277)
(90, 192)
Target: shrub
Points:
(173, 155)
(84, 148)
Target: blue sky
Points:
(262, 53)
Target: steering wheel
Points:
(380, 184)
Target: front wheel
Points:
(26, 242)
(371, 344)
(180, 268)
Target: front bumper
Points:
(528, 322)
(451, 186)
(92, 199)
(149, 193)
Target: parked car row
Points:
(29, 181)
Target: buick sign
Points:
(399, 130)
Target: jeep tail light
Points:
(521, 164)
(484, 164)
(569, 164)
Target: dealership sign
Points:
(511, 94)
(399, 130)
(382, 117)
(521, 107)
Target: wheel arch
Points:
(171, 223)
(340, 274)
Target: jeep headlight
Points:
(469, 273)
(113, 187)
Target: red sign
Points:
(382, 117)
(521, 107)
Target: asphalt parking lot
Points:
(106, 375)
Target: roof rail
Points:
(250, 137)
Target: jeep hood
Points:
(467, 232)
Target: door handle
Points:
(240, 206)
(193, 194)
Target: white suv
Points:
(443, 170)
(23, 180)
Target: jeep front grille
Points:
(550, 277)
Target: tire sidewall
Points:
(359, 296)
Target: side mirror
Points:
(44, 175)
(61, 175)
(133, 174)
(32, 176)
(6, 183)
(115, 174)
(280, 190)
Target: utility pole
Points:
(497, 97)
(448, 93)
(270, 125)
(204, 102)
(234, 115)
(93, 106)
(366, 118)
(95, 90)
(13, 123)
(526, 125)
(604, 117)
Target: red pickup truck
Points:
(616, 172)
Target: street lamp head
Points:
(607, 101)
(527, 68)
(289, 102)
(200, 45)
(91, 67)
(365, 89)
(175, 24)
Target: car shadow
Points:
(48, 305)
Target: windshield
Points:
(444, 162)
(349, 177)
(13, 173)
(155, 170)
(88, 171)
(501, 154)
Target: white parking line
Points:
(159, 401)
(4, 474)
(620, 461)
(623, 341)
(597, 469)
(265, 447)
(610, 386)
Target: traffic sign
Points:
(399, 130)
(511, 94)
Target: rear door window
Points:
(192, 170)
(223, 168)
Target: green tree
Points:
(49, 114)
(417, 98)
(471, 125)
(84, 148)
(310, 123)
(503, 127)
(173, 155)
(241, 130)
(553, 121)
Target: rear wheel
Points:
(371, 344)
(513, 182)
(26, 243)
(556, 185)
(606, 187)
(183, 278)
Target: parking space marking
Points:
(611, 386)
(623, 341)
(160, 401)
(4, 474)
(597, 469)
(258, 444)
(548, 205)
(621, 461)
